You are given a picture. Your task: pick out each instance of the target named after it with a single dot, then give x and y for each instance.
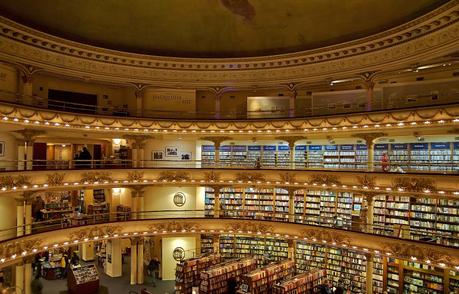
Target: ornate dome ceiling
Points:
(214, 28)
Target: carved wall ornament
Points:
(56, 179)
(249, 227)
(367, 181)
(171, 176)
(325, 235)
(135, 176)
(414, 184)
(10, 248)
(174, 226)
(407, 251)
(97, 176)
(324, 179)
(212, 176)
(99, 231)
(250, 177)
(288, 177)
(14, 181)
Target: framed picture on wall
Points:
(185, 156)
(171, 151)
(157, 155)
(2, 148)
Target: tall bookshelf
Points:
(303, 283)
(331, 156)
(225, 155)
(209, 202)
(207, 155)
(341, 264)
(419, 156)
(268, 156)
(440, 156)
(215, 279)
(281, 204)
(283, 156)
(361, 156)
(253, 153)
(455, 161)
(263, 279)
(347, 156)
(315, 156)
(207, 244)
(231, 201)
(301, 155)
(378, 274)
(188, 272)
(379, 150)
(264, 249)
(399, 155)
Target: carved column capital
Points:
(370, 137)
(29, 135)
(291, 140)
(138, 140)
(216, 140)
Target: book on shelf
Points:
(188, 272)
(262, 279)
(307, 282)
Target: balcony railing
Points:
(405, 167)
(338, 108)
(397, 231)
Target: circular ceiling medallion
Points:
(179, 199)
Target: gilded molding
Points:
(408, 251)
(14, 181)
(321, 235)
(212, 176)
(95, 176)
(325, 179)
(135, 176)
(435, 32)
(170, 176)
(56, 179)
(414, 184)
(250, 227)
(174, 226)
(250, 177)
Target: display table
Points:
(52, 269)
(83, 279)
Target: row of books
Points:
(303, 283)
(188, 272)
(262, 279)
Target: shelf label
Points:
(315, 147)
(381, 146)
(269, 148)
(225, 148)
(399, 146)
(283, 148)
(419, 146)
(300, 147)
(208, 148)
(361, 147)
(331, 147)
(239, 148)
(254, 147)
(440, 145)
(346, 147)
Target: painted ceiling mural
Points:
(214, 28)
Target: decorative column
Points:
(217, 203)
(20, 216)
(291, 145)
(140, 263)
(217, 143)
(216, 243)
(291, 204)
(370, 212)
(138, 201)
(369, 84)
(139, 94)
(369, 277)
(27, 86)
(28, 213)
(138, 142)
(28, 136)
(369, 141)
(19, 274)
(114, 265)
(134, 242)
(291, 249)
(218, 99)
(28, 275)
(134, 204)
(21, 154)
(292, 100)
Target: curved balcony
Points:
(164, 223)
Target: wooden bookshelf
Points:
(304, 283)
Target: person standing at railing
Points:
(385, 162)
(85, 158)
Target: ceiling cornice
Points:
(433, 35)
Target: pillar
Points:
(134, 261)
(134, 203)
(134, 155)
(28, 216)
(29, 154)
(27, 86)
(28, 275)
(218, 99)
(217, 203)
(370, 155)
(21, 154)
(291, 205)
(216, 243)
(19, 277)
(141, 156)
(114, 263)
(369, 85)
(291, 249)
(370, 214)
(369, 278)
(140, 262)
(369, 140)
(139, 103)
(20, 216)
(86, 251)
(217, 142)
(291, 104)
(217, 152)
(140, 203)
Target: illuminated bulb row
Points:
(324, 129)
(145, 181)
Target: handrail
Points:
(39, 102)
(397, 231)
(447, 167)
